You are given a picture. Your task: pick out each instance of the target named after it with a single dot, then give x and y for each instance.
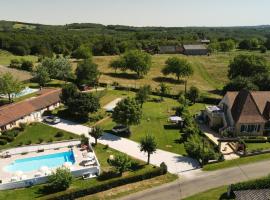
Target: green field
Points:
(6, 57)
(154, 121)
(210, 72)
(37, 131)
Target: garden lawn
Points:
(236, 162)
(155, 121)
(103, 154)
(213, 194)
(36, 131)
(257, 146)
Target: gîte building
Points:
(245, 113)
(29, 110)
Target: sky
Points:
(169, 13)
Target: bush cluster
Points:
(262, 183)
(76, 193)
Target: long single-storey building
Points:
(172, 49)
(29, 110)
(195, 49)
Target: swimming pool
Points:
(35, 163)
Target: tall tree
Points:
(143, 94)
(117, 64)
(87, 73)
(137, 61)
(121, 162)
(247, 65)
(127, 112)
(96, 133)
(41, 76)
(179, 67)
(9, 85)
(60, 180)
(148, 145)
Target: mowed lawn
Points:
(213, 194)
(155, 122)
(6, 57)
(36, 131)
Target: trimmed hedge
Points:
(106, 185)
(7, 138)
(255, 140)
(3, 142)
(262, 183)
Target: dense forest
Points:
(72, 39)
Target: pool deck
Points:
(6, 176)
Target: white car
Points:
(52, 120)
(120, 129)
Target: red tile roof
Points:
(13, 112)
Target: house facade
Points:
(30, 110)
(173, 49)
(245, 113)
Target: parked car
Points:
(120, 129)
(52, 120)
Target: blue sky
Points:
(139, 12)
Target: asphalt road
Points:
(197, 181)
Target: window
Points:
(250, 128)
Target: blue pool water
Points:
(35, 163)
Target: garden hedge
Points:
(255, 140)
(106, 185)
(262, 183)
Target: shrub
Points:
(80, 192)
(22, 126)
(108, 175)
(40, 140)
(60, 180)
(71, 137)
(164, 168)
(59, 134)
(28, 142)
(13, 133)
(121, 163)
(7, 138)
(50, 140)
(253, 184)
(3, 142)
(27, 65)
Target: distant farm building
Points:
(205, 41)
(195, 49)
(170, 49)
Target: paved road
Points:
(175, 162)
(198, 181)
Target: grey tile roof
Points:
(262, 194)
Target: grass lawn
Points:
(102, 154)
(37, 131)
(210, 72)
(213, 194)
(257, 146)
(6, 57)
(236, 162)
(154, 121)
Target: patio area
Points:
(83, 160)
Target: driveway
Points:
(175, 162)
(110, 106)
(199, 181)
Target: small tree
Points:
(83, 52)
(143, 94)
(121, 162)
(9, 85)
(193, 94)
(127, 112)
(96, 133)
(27, 65)
(163, 90)
(60, 180)
(137, 61)
(148, 145)
(117, 64)
(41, 76)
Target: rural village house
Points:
(29, 110)
(244, 113)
